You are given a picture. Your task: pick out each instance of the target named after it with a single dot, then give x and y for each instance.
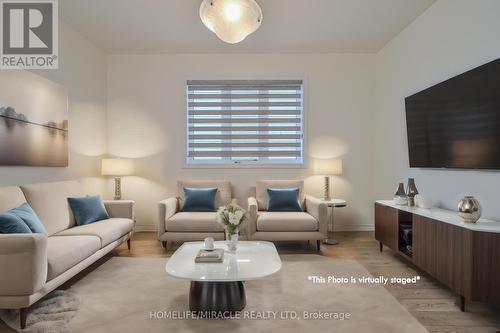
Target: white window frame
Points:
(191, 164)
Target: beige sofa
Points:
(32, 265)
(175, 225)
(312, 224)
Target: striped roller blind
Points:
(242, 121)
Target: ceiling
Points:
(289, 26)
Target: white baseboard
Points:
(354, 227)
(145, 228)
(346, 227)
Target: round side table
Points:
(334, 203)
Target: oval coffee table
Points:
(219, 286)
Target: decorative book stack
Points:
(212, 256)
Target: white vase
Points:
(422, 202)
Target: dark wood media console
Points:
(465, 258)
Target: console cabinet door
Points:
(425, 244)
(386, 226)
(443, 251)
(486, 267)
(454, 245)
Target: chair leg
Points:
(128, 243)
(164, 244)
(23, 314)
(318, 245)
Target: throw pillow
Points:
(283, 200)
(199, 199)
(12, 224)
(88, 209)
(21, 220)
(29, 217)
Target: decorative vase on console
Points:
(411, 192)
(231, 217)
(400, 197)
(422, 202)
(469, 209)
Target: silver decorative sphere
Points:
(469, 209)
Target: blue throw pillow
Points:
(283, 200)
(88, 209)
(199, 199)
(29, 217)
(12, 224)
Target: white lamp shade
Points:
(231, 20)
(117, 167)
(328, 167)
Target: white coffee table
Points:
(219, 286)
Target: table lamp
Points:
(327, 168)
(117, 167)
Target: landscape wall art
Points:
(33, 120)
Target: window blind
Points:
(242, 121)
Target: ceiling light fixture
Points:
(231, 20)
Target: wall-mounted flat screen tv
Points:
(456, 123)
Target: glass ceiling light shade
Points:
(231, 20)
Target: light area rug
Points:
(121, 294)
(49, 315)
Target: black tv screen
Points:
(456, 123)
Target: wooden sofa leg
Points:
(164, 244)
(318, 245)
(128, 243)
(23, 314)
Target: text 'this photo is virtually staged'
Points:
(249, 166)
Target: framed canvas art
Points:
(33, 120)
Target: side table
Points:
(332, 204)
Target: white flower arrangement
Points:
(231, 217)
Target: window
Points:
(245, 122)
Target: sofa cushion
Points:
(88, 209)
(286, 221)
(65, 252)
(11, 197)
(222, 198)
(50, 202)
(263, 185)
(194, 222)
(107, 230)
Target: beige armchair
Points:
(311, 224)
(176, 225)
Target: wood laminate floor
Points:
(428, 301)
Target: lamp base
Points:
(326, 188)
(118, 188)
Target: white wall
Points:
(451, 37)
(355, 110)
(146, 119)
(82, 71)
